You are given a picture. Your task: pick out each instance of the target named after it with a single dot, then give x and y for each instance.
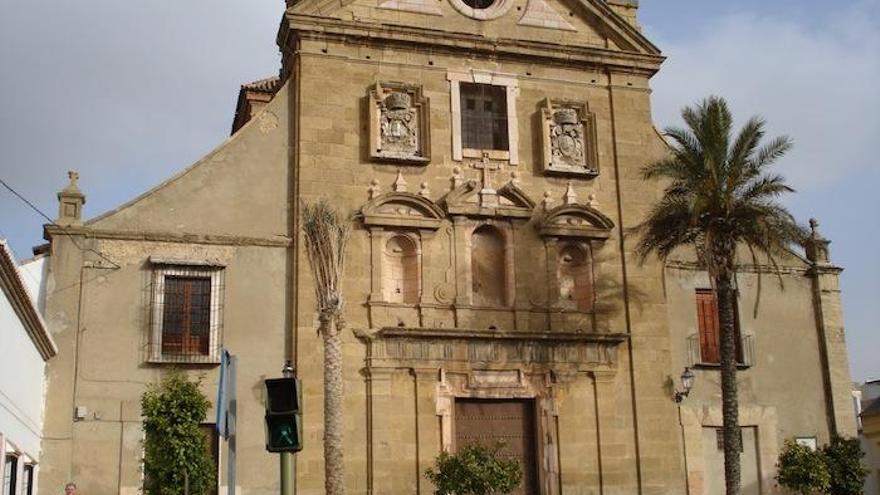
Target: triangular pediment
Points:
(587, 23)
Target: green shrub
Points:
(175, 450)
(475, 470)
(802, 469)
(843, 456)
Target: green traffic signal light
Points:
(283, 415)
(283, 433)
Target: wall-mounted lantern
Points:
(687, 381)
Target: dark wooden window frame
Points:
(186, 315)
(484, 119)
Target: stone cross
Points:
(488, 195)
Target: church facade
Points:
(490, 155)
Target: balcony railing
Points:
(745, 358)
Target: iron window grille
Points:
(186, 314)
(745, 352)
(484, 117)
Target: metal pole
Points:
(288, 467)
(287, 473)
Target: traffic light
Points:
(283, 415)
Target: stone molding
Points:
(577, 221)
(400, 128)
(50, 230)
(389, 36)
(541, 14)
(494, 11)
(402, 210)
(470, 349)
(509, 82)
(427, 7)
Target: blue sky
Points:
(130, 92)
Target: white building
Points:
(25, 346)
(868, 416)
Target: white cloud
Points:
(815, 81)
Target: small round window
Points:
(479, 4)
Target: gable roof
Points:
(625, 36)
(19, 298)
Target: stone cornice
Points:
(438, 41)
(50, 231)
(743, 268)
(497, 335)
(20, 300)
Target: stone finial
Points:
(399, 182)
(374, 189)
(817, 246)
(70, 202)
(423, 190)
(547, 201)
(514, 178)
(570, 196)
(457, 177)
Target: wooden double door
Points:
(489, 421)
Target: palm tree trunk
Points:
(334, 470)
(729, 399)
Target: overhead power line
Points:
(51, 222)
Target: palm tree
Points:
(326, 235)
(719, 195)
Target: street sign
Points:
(227, 402)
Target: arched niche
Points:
(398, 223)
(575, 274)
(572, 233)
(488, 253)
(400, 270)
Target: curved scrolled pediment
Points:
(576, 220)
(402, 209)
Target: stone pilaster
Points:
(829, 322)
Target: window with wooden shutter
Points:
(186, 313)
(484, 117)
(186, 318)
(710, 328)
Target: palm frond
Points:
(326, 236)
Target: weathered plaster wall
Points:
(782, 393)
(230, 208)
